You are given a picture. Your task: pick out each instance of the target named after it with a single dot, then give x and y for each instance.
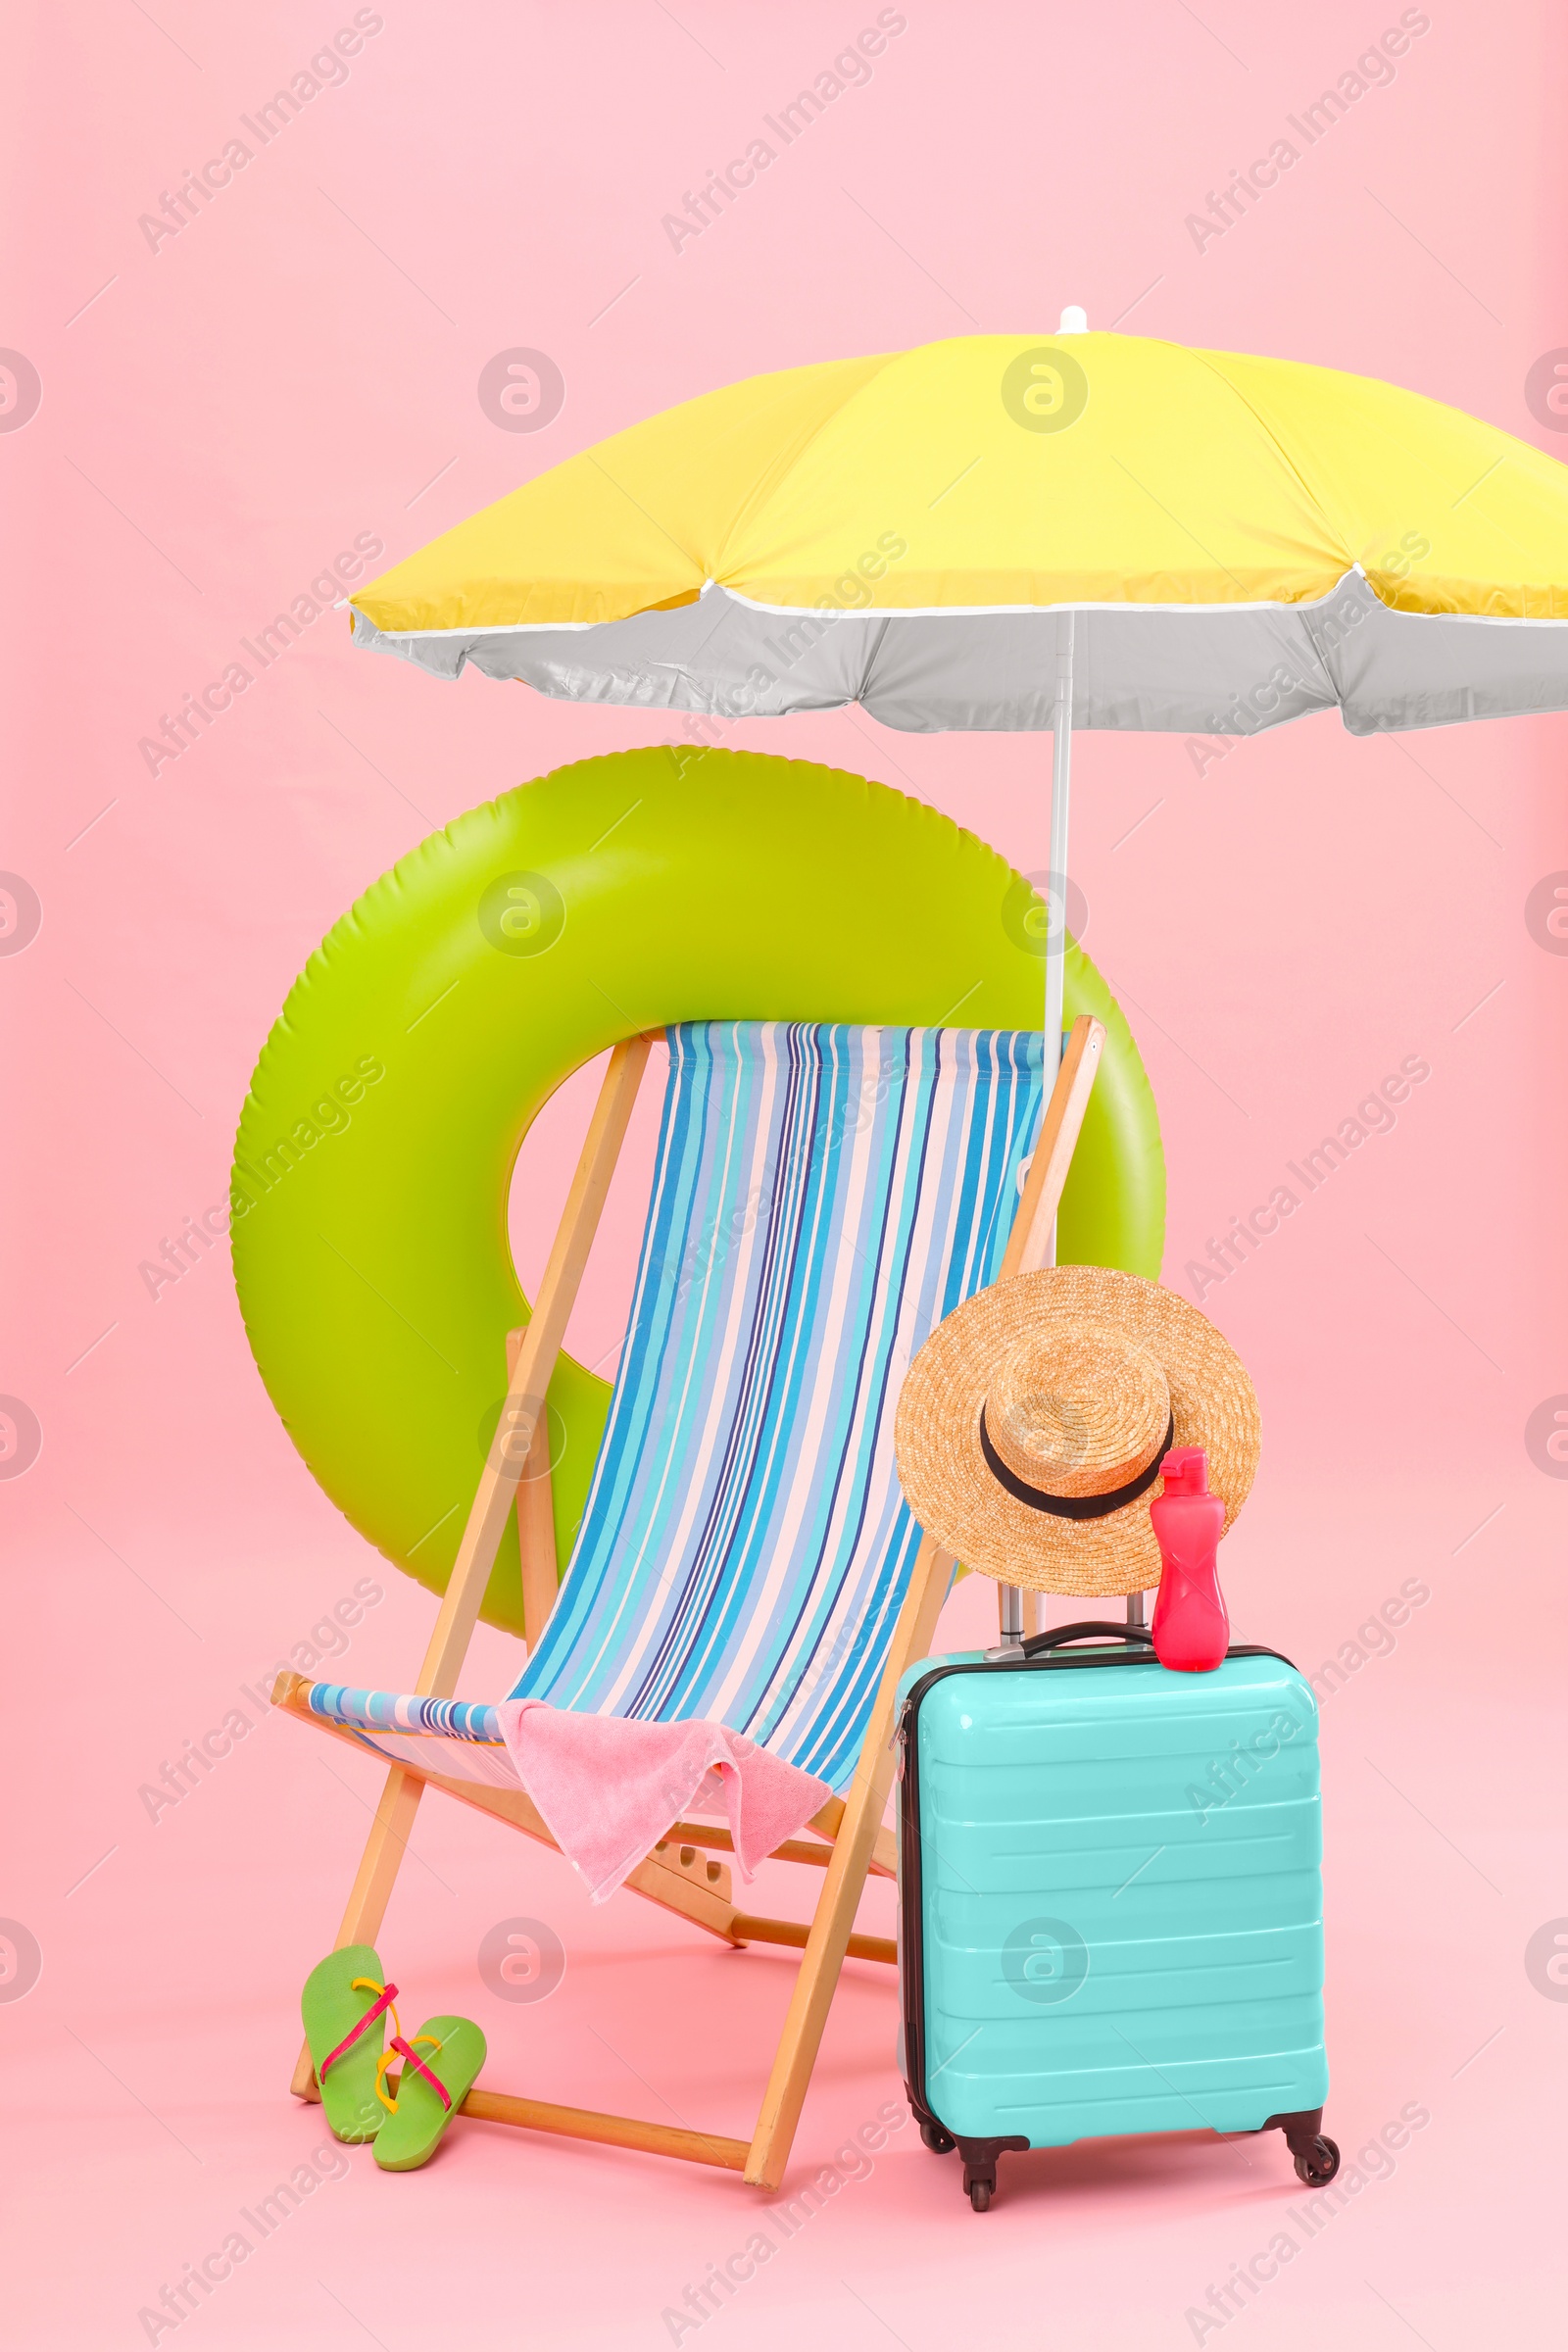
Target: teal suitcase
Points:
(1110, 1899)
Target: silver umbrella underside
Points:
(1217, 670)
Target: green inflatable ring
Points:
(376, 1144)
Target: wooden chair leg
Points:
(536, 1520)
(845, 1875)
(523, 1417)
(1029, 1245)
(385, 1850)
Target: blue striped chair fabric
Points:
(823, 1196)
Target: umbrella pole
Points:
(1057, 884)
(1010, 1598)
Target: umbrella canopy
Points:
(1013, 532)
(1240, 541)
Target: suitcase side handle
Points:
(1059, 1635)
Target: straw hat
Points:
(1032, 1425)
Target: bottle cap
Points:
(1185, 1470)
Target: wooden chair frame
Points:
(678, 1875)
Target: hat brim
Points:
(955, 1496)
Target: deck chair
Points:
(823, 1196)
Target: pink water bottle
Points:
(1191, 1630)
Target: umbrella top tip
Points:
(1074, 320)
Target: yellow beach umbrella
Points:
(1024, 533)
(1009, 531)
(996, 477)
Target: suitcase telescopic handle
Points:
(1059, 1635)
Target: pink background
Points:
(219, 417)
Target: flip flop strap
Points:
(385, 1994)
(405, 2051)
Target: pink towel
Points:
(610, 1787)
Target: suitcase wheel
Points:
(980, 2167)
(1318, 2163)
(937, 2138)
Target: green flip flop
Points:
(439, 2066)
(344, 2006)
